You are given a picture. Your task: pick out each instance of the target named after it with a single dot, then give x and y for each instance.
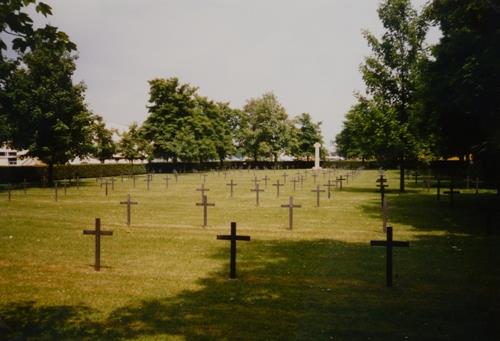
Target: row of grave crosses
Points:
(233, 237)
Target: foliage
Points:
(267, 129)
(461, 82)
(104, 146)
(305, 135)
(133, 145)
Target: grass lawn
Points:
(166, 276)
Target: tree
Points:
(267, 133)
(391, 73)
(461, 82)
(46, 112)
(133, 145)
(104, 146)
(306, 135)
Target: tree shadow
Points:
(310, 290)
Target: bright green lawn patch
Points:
(165, 277)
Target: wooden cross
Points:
(277, 184)
(133, 179)
(233, 237)
(98, 233)
(416, 176)
(106, 185)
(9, 194)
(232, 184)
(55, 191)
(438, 188)
(451, 192)
(176, 175)
(284, 178)
(385, 215)
(290, 207)
(346, 179)
(314, 175)
(255, 180)
(65, 185)
(202, 190)
(148, 180)
(205, 204)
(204, 175)
(389, 245)
(340, 179)
(257, 190)
(329, 186)
(128, 203)
(294, 182)
(78, 183)
(381, 183)
(166, 181)
(265, 181)
(317, 190)
(112, 183)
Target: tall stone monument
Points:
(317, 145)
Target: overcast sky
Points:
(307, 52)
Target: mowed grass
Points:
(166, 276)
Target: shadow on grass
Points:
(307, 290)
(469, 213)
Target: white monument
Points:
(317, 145)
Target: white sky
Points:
(307, 52)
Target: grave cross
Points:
(329, 186)
(339, 180)
(233, 237)
(255, 180)
(202, 190)
(166, 181)
(128, 203)
(133, 180)
(314, 175)
(65, 185)
(204, 175)
(265, 181)
(55, 191)
(381, 183)
(205, 204)
(385, 215)
(290, 207)
(232, 184)
(451, 192)
(294, 182)
(317, 190)
(346, 179)
(277, 184)
(257, 190)
(112, 183)
(9, 194)
(98, 233)
(284, 178)
(106, 186)
(148, 180)
(78, 183)
(389, 244)
(438, 188)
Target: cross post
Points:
(205, 204)
(232, 184)
(202, 190)
(451, 192)
(55, 191)
(128, 203)
(257, 190)
(381, 183)
(265, 181)
(290, 207)
(389, 244)
(294, 182)
(284, 178)
(166, 181)
(339, 180)
(329, 186)
(233, 237)
(278, 185)
(317, 190)
(98, 233)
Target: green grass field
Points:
(166, 276)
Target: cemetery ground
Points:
(166, 276)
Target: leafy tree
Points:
(267, 130)
(133, 145)
(461, 83)
(45, 110)
(306, 135)
(104, 146)
(391, 73)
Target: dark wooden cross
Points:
(98, 233)
(65, 186)
(128, 203)
(451, 192)
(290, 207)
(255, 180)
(257, 190)
(277, 184)
(232, 184)
(416, 176)
(9, 194)
(389, 244)
(204, 175)
(112, 183)
(294, 183)
(339, 180)
(148, 180)
(106, 183)
(205, 204)
(329, 186)
(317, 190)
(314, 175)
(233, 237)
(284, 178)
(301, 179)
(381, 183)
(346, 179)
(265, 181)
(55, 191)
(385, 215)
(202, 190)
(166, 181)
